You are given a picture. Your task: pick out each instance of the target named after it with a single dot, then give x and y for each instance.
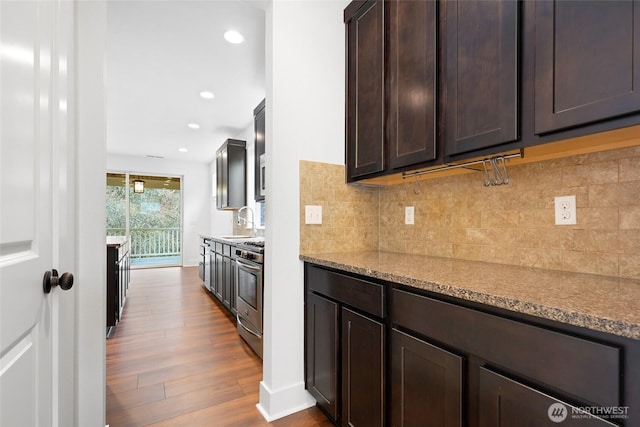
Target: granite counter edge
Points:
(588, 321)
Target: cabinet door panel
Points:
(587, 62)
(259, 126)
(226, 288)
(219, 276)
(412, 40)
(426, 384)
(482, 96)
(504, 402)
(322, 352)
(365, 90)
(221, 181)
(362, 371)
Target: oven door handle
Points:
(247, 329)
(248, 266)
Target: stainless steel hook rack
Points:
(494, 169)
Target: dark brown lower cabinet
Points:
(452, 363)
(322, 352)
(505, 402)
(222, 273)
(345, 347)
(118, 276)
(220, 276)
(362, 370)
(229, 290)
(426, 383)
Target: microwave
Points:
(262, 175)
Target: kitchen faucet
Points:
(244, 219)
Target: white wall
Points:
(90, 287)
(196, 196)
(305, 121)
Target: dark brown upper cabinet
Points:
(430, 82)
(587, 62)
(231, 175)
(481, 106)
(259, 125)
(365, 89)
(412, 81)
(392, 48)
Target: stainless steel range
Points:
(249, 256)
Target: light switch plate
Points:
(409, 212)
(313, 214)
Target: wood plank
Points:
(176, 360)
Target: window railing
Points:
(151, 242)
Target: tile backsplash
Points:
(457, 217)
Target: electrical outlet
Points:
(312, 214)
(409, 215)
(565, 210)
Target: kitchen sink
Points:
(235, 237)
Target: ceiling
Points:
(161, 54)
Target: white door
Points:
(36, 176)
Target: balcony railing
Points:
(152, 244)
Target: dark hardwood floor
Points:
(176, 360)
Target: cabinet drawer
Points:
(585, 369)
(217, 247)
(366, 296)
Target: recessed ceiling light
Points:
(233, 37)
(194, 126)
(182, 150)
(207, 95)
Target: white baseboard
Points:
(275, 404)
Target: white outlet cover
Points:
(565, 210)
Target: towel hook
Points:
(416, 185)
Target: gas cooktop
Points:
(255, 244)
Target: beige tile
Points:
(458, 217)
(537, 218)
(630, 266)
(630, 169)
(467, 252)
(604, 155)
(629, 242)
(539, 258)
(606, 241)
(597, 218)
(630, 217)
(629, 193)
(499, 218)
(590, 173)
(590, 262)
(604, 195)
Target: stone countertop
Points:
(232, 240)
(599, 303)
(115, 241)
